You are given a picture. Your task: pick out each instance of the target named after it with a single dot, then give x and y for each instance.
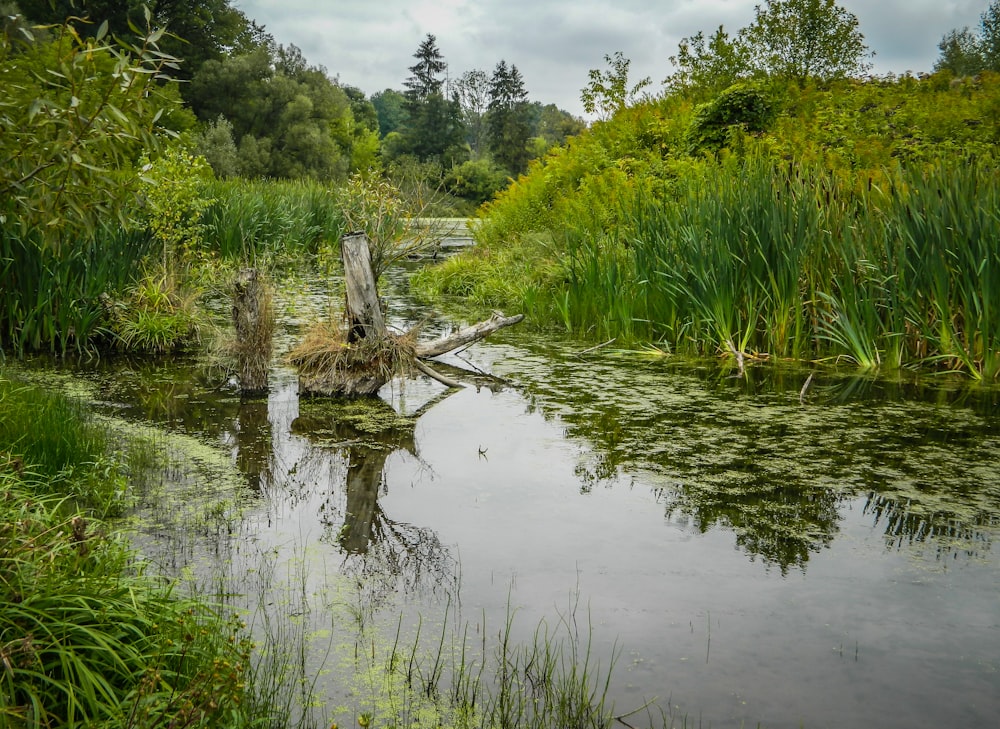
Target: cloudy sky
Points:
(370, 43)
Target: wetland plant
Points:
(86, 637)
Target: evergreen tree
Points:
(434, 129)
(509, 119)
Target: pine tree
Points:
(509, 119)
(434, 129)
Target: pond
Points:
(779, 547)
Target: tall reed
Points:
(51, 298)
(267, 218)
(801, 262)
(86, 639)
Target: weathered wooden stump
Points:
(368, 355)
(253, 320)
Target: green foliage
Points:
(173, 196)
(508, 123)
(199, 30)
(433, 129)
(472, 91)
(802, 39)
(836, 232)
(56, 299)
(289, 120)
(158, 315)
(788, 39)
(269, 221)
(216, 144)
(390, 108)
(84, 644)
(708, 68)
(375, 206)
(47, 433)
(609, 91)
(475, 180)
(964, 53)
(75, 112)
(743, 108)
(961, 54)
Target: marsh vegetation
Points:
(740, 467)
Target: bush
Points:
(744, 107)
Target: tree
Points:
(508, 120)
(708, 67)
(608, 91)
(989, 24)
(391, 111)
(555, 125)
(196, 30)
(289, 119)
(75, 114)
(802, 39)
(434, 129)
(965, 53)
(472, 91)
(425, 81)
(961, 53)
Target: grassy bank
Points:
(875, 245)
(86, 638)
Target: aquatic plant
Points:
(159, 314)
(270, 220)
(86, 640)
(53, 299)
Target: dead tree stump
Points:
(253, 320)
(369, 356)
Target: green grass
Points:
(770, 261)
(87, 641)
(272, 220)
(51, 298)
(86, 638)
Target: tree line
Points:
(256, 108)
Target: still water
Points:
(751, 552)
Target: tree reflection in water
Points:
(384, 555)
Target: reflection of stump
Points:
(364, 476)
(253, 443)
(254, 323)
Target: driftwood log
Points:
(372, 355)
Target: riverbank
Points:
(87, 637)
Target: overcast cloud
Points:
(370, 43)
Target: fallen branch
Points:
(436, 375)
(595, 348)
(467, 335)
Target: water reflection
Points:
(384, 553)
(773, 460)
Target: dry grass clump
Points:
(325, 354)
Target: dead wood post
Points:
(365, 364)
(364, 313)
(253, 320)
